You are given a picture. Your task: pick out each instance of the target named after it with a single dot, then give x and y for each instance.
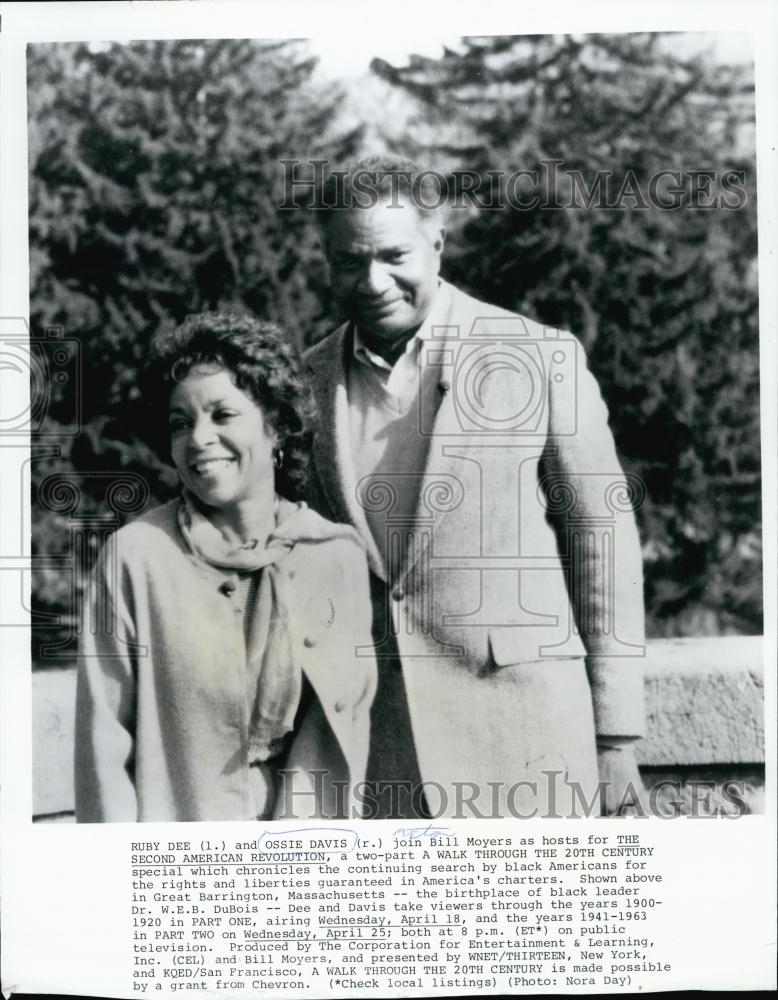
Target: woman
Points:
(222, 675)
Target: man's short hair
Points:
(393, 180)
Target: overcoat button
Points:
(292, 574)
(398, 594)
(339, 706)
(309, 641)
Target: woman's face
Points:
(220, 442)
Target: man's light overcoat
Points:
(522, 500)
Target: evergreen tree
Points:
(155, 186)
(664, 300)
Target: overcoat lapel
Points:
(333, 451)
(440, 488)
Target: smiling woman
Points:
(200, 695)
(222, 447)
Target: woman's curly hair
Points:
(262, 362)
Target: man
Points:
(470, 448)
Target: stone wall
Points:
(705, 708)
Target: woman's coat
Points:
(162, 708)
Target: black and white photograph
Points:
(502, 343)
(394, 462)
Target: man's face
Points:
(384, 265)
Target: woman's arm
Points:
(105, 700)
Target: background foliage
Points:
(155, 182)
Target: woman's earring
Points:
(278, 457)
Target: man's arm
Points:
(598, 539)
